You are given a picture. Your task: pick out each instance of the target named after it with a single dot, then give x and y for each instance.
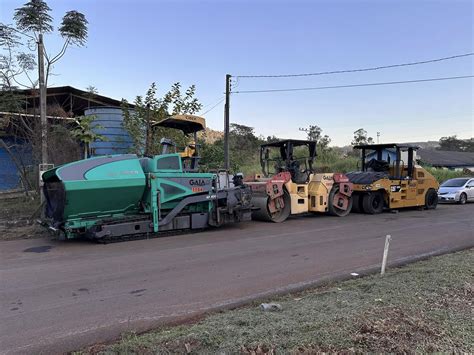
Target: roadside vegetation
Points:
(422, 307)
(18, 214)
(444, 174)
(244, 152)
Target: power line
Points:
(212, 103)
(357, 70)
(213, 107)
(353, 85)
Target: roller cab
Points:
(288, 184)
(389, 178)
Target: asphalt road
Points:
(58, 296)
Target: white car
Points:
(459, 190)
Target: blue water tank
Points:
(118, 140)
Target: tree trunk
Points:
(149, 132)
(42, 89)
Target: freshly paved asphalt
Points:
(79, 293)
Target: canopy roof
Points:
(294, 143)
(186, 123)
(402, 146)
(449, 159)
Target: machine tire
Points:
(334, 211)
(263, 214)
(372, 202)
(356, 203)
(431, 199)
(462, 199)
(285, 213)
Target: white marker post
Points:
(385, 253)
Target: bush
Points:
(445, 174)
(332, 161)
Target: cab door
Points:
(411, 186)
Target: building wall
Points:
(471, 169)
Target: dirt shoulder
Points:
(423, 307)
(18, 214)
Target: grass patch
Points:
(423, 307)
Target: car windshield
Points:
(454, 183)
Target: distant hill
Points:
(210, 135)
(426, 145)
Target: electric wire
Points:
(358, 70)
(210, 104)
(213, 107)
(352, 85)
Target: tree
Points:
(212, 155)
(243, 147)
(33, 20)
(271, 139)
(85, 132)
(452, 143)
(150, 109)
(360, 137)
(91, 93)
(315, 134)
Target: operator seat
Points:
(189, 151)
(298, 176)
(377, 165)
(190, 157)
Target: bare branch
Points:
(61, 53)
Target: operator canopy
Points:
(286, 147)
(185, 123)
(387, 146)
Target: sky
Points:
(134, 43)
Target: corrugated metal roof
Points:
(444, 158)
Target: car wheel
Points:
(431, 199)
(462, 199)
(372, 203)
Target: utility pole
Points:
(226, 121)
(42, 90)
(149, 134)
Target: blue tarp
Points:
(9, 176)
